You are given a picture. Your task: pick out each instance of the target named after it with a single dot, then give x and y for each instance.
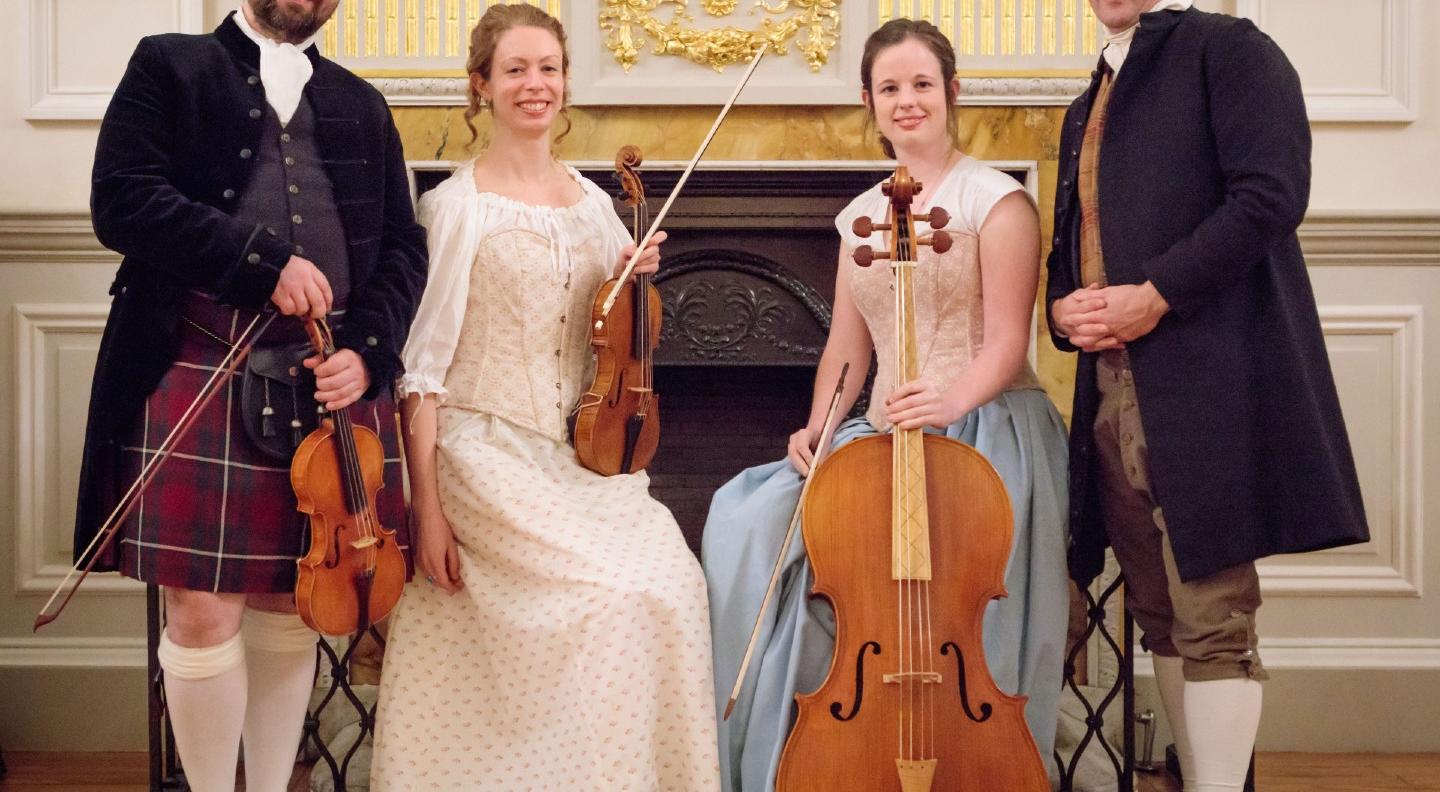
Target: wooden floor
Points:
(1275, 772)
(90, 772)
(1301, 772)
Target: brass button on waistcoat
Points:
(252, 80)
(245, 153)
(253, 258)
(294, 189)
(228, 194)
(289, 160)
(255, 112)
(296, 219)
(284, 137)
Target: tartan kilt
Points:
(221, 515)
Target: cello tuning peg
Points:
(938, 241)
(937, 218)
(864, 227)
(866, 255)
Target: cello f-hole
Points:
(859, 683)
(985, 709)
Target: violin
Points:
(352, 575)
(616, 427)
(908, 535)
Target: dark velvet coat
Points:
(174, 156)
(1204, 176)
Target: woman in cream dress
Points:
(557, 638)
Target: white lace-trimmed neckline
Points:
(511, 203)
(552, 222)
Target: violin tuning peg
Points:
(938, 241)
(937, 218)
(866, 255)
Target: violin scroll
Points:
(627, 170)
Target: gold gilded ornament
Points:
(811, 25)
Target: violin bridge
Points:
(364, 542)
(916, 775)
(639, 390)
(923, 677)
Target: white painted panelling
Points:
(55, 345)
(1369, 654)
(77, 50)
(44, 652)
(1357, 59)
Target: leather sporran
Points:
(277, 399)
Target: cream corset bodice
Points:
(502, 326)
(523, 352)
(949, 300)
(949, 318)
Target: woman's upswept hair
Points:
(897, 31)
(492, 25)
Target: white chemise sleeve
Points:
(601, 209)
(975, 192)
(453, 229)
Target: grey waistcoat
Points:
(290, 194)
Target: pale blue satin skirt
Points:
(1024, 438)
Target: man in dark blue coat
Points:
(240, 174)
(1206, 431)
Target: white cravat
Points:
(1117, 42)
(284, 68)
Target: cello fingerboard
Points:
(910, 512)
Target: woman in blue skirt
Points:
(974, 306)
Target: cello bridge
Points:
(364, 542)
(923, 677)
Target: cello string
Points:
(897, 483)
(902, 327)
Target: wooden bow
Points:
(822, 447)
(684, 176)
(108, 529)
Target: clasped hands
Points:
(1097, 318)
(304, 292)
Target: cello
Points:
(908, 534)
(353, 572)
(616, 426)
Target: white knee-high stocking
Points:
(1170, 678)
(280, 657)
(1222, 717)
(205, 697)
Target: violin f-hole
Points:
(985, 709)
(619, 388)
(859, 683)
(332, 558)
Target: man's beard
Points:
(294, 26)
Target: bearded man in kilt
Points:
(238, 173)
